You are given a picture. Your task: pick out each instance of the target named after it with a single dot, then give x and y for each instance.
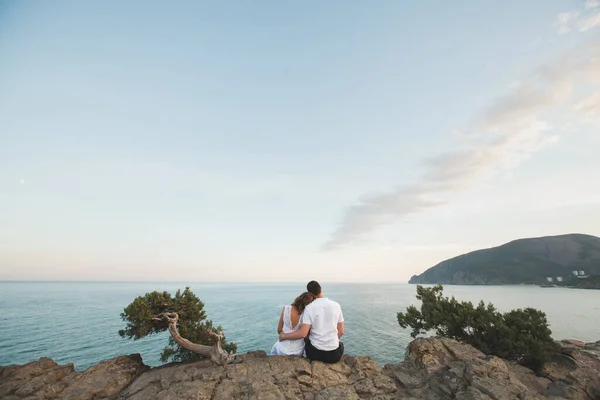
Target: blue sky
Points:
(286, 141)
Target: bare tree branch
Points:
(215, 352)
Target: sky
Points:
(281, 141)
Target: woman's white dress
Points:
(288, 347)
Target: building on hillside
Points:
(549, 279)
(575, 273)
(559, 279)
(581, 272)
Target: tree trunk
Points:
(214, 352)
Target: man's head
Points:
(314, 288)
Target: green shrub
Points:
(192, 322)
(521, 335)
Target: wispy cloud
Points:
(590, 22)
(584, 20)
(591, 4)
(589, 106)
(565, 20)
(505, 133)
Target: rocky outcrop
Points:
(262, 377)
(434, 368)
(439, 368)
(575, 371)
(45, 379)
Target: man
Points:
(322, 327)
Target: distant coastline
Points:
(565, 260)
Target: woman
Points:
(289, 321)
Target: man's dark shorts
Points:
(330, 357)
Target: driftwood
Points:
(215, 352)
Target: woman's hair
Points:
(302, 301)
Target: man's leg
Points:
(329, 357)
(309, 349)
(314, 354)
(334, 356)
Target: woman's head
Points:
(302, 301)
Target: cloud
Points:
(522, 106)
(588, 107)
(564, 21)
(591, 4)
(506, 133)
(374, 211)
(587, 23)
(582, 21)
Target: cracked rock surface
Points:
(434, 368)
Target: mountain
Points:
(520, 261)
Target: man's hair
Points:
(314, 288)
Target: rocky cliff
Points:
(434, 368)
(520, 261)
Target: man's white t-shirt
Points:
(323, 315)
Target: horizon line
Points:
(169, 281)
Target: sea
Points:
(78, 322)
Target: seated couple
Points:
(311, 326)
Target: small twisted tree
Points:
(520, 335)
(192, 336)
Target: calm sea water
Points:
(79, 322)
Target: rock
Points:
(261, 377)
(528, 377)
(434, 369)
(41, 378)
(439, 368)
(45, 379)
(575, 371)
(338, 392)
(105, 379)
(176, 381)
